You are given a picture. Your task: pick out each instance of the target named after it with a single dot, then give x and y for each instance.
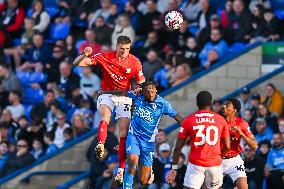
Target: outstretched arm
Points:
(83, 60)
(179, 144)
(178, 118)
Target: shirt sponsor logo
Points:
(128, 70)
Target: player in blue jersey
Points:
(140, 142)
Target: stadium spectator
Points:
(152, 12)
(37, 150)
(227, 13)
(105, 180)
(81, 9)
(160, 139)
(152, 65)
(213, 50)
(51, 68)
(71, 52)
(281, 127)
(240, 22)
(269, 117)
(216, 105)
(79, 125)
(17, 109)
(265, 3)
(9, 81)
(37, 56)
(264, 148)
(5, 135)
(163, 34)
(64, 7)
(245, 100)
(103, 11)
(161, 77)
(273, 99)
(39, 111)
(51, 114)
(97, 167)
(255, 101)
(58, 128)
(190, 53)
(3, 98)
(190, 8)
(178, 37)
(68, 135)
(90, 83)
(180, 173)
(162, 5)
(123, 27)
(40, 16)
(25, 43)
(113, 16)
(134, 14)
(204, 14)
(161, 167)
(152, 42)
(67, 80)
(249, 117)
(4, 153)
(90, 42)
(49, 138)
(17, 160)
(262, 131)
(34, 130)
(254, 168)
(271, 26)
(182, 73)
(102, 31)
(275, 164)
(22, 132)
(11, 21)
(6, 117)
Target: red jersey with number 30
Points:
(235, 137)
(117, 74)
(205, 128)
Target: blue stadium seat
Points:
(50, 3)
(32, 96)
(236, 47)
(193, 29)
(79, 43)
(277, 4)
(59, 31)
(279, 14)
(218, 4)
(16, 41)
(120, 4)
(36, 77)
(28, 108)
(24, 77)
(52, 11)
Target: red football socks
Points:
(122, 153)
(102, 132)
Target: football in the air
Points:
(173, 20)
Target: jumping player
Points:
(206, 130)
(119, 67)
(233, 165)
(140, 142)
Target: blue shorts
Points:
(144, 149)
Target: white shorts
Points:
(121, 104)
(195, 176)
(234, 167)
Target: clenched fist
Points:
(88, 51)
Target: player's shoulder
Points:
(241, 122)
(134, 59)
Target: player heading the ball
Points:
(119, 67)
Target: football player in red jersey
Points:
(233, 165)
(207, 131)
(119, 67)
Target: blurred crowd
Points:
(45, 102)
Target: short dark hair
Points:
(204, 99)
(68, 131)
(17, 93)
(236, 103)
(50, 135)
(148, 83)
(49, 91)
(123, 40)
